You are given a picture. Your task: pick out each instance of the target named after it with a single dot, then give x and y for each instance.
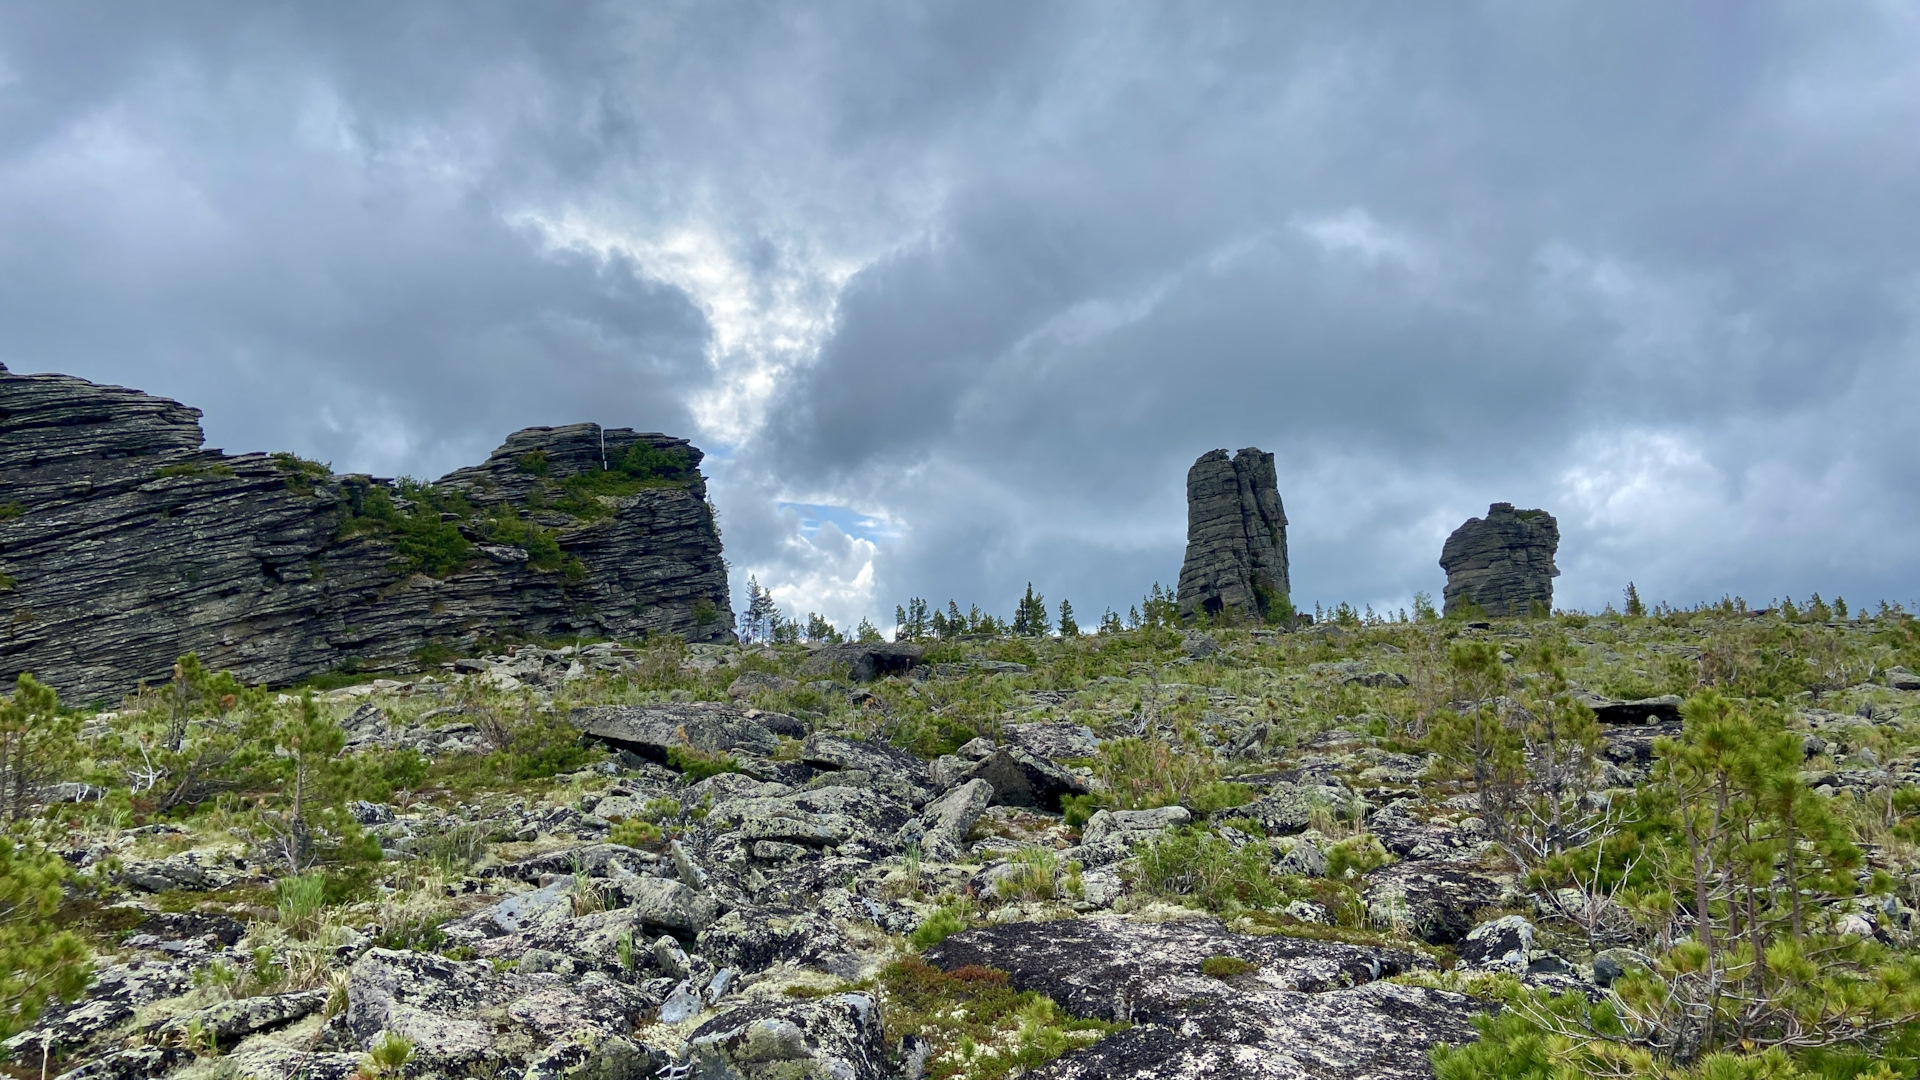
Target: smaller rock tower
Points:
(1503, 562)
(1236, 536)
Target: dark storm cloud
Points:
(989, 276)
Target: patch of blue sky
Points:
(848, 520)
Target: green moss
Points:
(1225, 967)
(697, 765)
(977, 1026)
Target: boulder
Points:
(1021, 778)
(1899, 678)
(1236, 536)
(947, 820)
(1289, 808)
(1306, 1009)
(1500, 945)
(1503, 563)
(870, 764)
(1129, 826)
(1055, 741)
(751, 940)
(1438, 902)
(839, 1037)
(863, 661)
(661, 904)
(652, 730)
(429, 1000)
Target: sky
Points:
(952, 294)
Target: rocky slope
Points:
(124, 544)
(773, 863)
(1236, 536)
(1503, 563)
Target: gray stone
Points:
(1310, 1009)
(1236, 536)
(669, 905)
(136, 545)
(1500, 945)
(1902, 679)
(682, 1004)
(1020, 778)
(863, 661)
(1503, 562)
(1289, 808)
(1438, 902)
(948, 819)
(1130, 826)
(839, 1037)
(653, 730)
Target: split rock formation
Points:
(1236, 536)
(124, 544)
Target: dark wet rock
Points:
(1503, 562)
(192, 925)
(839, 1037)
(1632, 747)
(1022, 778)
(136, 545)
(653, 730)
(863, 661)
(1438, 902)
(1236, 536)
(1309, 1009)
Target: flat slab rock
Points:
(1309, 1009)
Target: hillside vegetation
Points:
(1669, 843)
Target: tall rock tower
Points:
(1503, 562)
(1236, 536)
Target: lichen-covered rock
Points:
(839, 1037)
(653, 730)
(112, 996)
(1503, 563)
(945, 823)
(870, 764)
(1436, 901)
(1307, 1009)
(1289, 808)
(1129, 826)
(1236, 536)
(429, 1000)
(754, 939)
(1500, 945)
(133, 545)
(833, 819)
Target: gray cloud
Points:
(956, 292)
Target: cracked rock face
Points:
(133, 545)
(1305, 1009)
(1236, 535)
(1502, 562)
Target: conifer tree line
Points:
(764, 622)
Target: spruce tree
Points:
(1068, 627)
(1030, 617)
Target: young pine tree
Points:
(36, 745)
(1068, 627)
(1030, 616)
(1635, 608)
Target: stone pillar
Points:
(1236, 536)
(1503, 562)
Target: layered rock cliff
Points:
(124, 543)
(1236, 536)
(1503, 563)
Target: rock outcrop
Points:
(124, 544)
(1503, 562)
(1236, 536)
